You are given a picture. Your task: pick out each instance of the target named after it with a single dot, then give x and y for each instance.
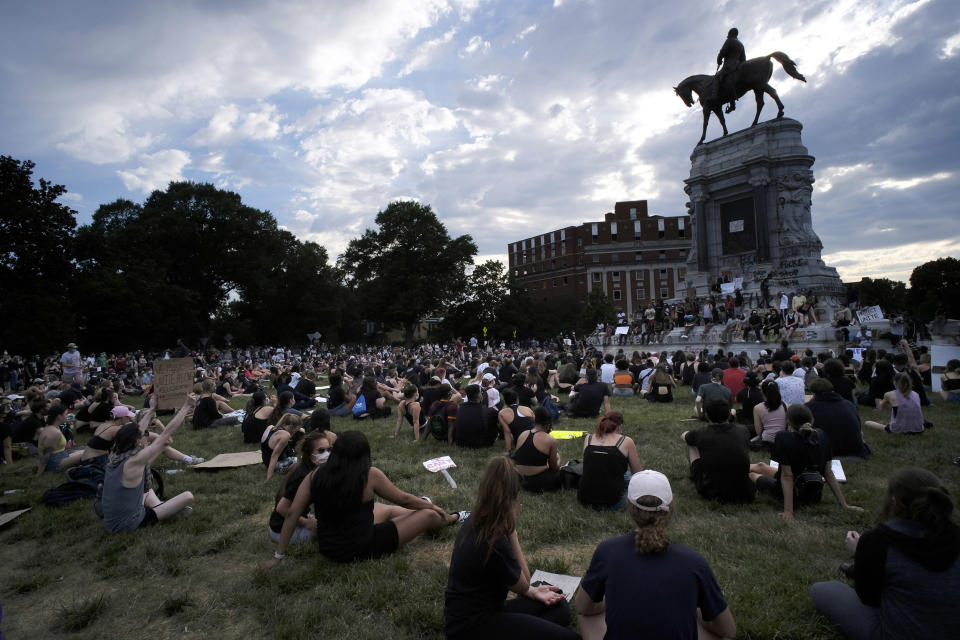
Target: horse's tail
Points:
(788, 65)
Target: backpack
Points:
(359, 407)
(68, 492)
(437, 421)
(808, 486)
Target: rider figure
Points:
(731, 55)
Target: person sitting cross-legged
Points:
(719, 457)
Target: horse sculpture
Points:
(753, 75)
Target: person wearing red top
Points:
(733, 377)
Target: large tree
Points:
(481, 303)
(406, 268)
(36, 235)
(934, 286)
(890, 295)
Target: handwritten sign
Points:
(727, 288)
(439, 464)
(172, 381)
(622, 331)
(870, 313)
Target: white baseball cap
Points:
(650, 483)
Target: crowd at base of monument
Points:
(511, 401)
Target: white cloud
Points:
(527, 31)
(157, 170)
(71, 197)
(950, 47)
(427, 53)
(105, 137)
(229, 123)
(475, 45)
(828, 176)
(895, 263)
(909, 183)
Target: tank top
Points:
(98, 443)
(409, 416)
(520, 423)
(773, 423)
(266, 452)
(907, 416)
(123, 508)
(344, 534)
(528, 455)
(603, 470)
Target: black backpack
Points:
(437, 421)
(808, 486)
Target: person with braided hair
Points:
(803, 454)
(906, 571)
(643, 585)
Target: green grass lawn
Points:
(199, 574)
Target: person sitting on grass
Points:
(257, 417)
(748, 398)
(339, 401)
(950, 382)
(476, 425)
(314, 451)
(409, 408)
(207, 413)
(376, 403)
(623, 382)
(538, 456)
(906, 571)
(98, 447)
(609, 458)
(642, 585)
(514, 418)
(487, 561)
(792, 388)
(590, 396)
(803, 454)
(838, 418)
(769, 417)
(126, 505)
(713, 390)
(662, 384)
(351, 525)
(52, 444)
(906, 414)
(278, 442)
(719, 457)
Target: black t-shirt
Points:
(724, 462)
(789, 447)
(205, 413)
(748, 398)
(839, 419)
(26, 429)
(289, 492)
(589, 398)
(306, 387)
(525, 395)
(335, 397)
(475, 425)
(477, 584)
(843, 386)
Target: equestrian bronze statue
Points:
(734, 81)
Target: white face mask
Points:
(320, 458)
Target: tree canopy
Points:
(934, 286)
(406, 268)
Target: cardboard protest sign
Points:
(870, 313)
(172, 381)
(441, 465)
(231, 460)
(622, 331)
(10, 516)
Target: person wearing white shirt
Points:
(792, 388)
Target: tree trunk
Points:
(408, 334)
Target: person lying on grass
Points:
(642, 585)
(126, 505)
(487, 562)
(314, 451)
(351, 525)
(804, 455)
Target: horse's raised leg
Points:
(773, 94)
(758, 94)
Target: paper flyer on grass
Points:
(569, 584)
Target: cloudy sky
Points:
(510, 118)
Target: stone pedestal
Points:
(750, 196)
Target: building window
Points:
(616, 294)
(596, 276)
(663, 273)
(636, 230)
(660, 228)
(616, 276)
(664, 292)
(553, 263)
(596, 258)
(615, 257)
(641, 294)
(663, 255)
(681, 230)
(581, 278)
(564, 280)
(613, 231)
(593, 232)
(638, 256)
(554, 282)
(579, 242)
(563, 247)
(633, 213)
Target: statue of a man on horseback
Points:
(736, 76)
(731, 55)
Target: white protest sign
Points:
(622, 331)
(441, 465)
(870, 313)
(727, 288)
(738, 283)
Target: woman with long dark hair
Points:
(906, 572)
(770, 416)
(487, 562)
(351, 525)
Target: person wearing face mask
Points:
(314, 451)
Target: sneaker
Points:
(192, 460)
(187, 510)
(461, 516)
(427, 499)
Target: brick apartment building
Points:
(633, 256)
